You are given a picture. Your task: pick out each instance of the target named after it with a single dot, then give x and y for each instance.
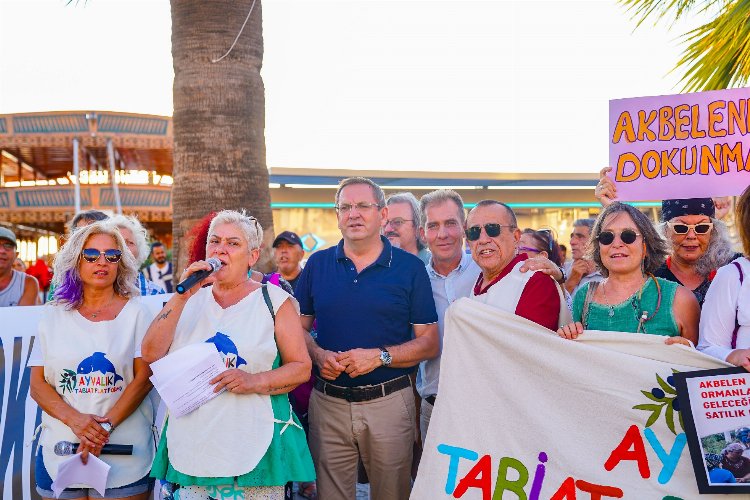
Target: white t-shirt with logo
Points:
(90, 364)
(230, 434)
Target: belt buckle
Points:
(349, 395)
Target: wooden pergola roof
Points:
(40, 145)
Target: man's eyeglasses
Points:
(8, 246)
(492, 229)
(627, 236)
(700, 228)
(92, 255)
(360, 207)
(397, 222)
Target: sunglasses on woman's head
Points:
(627, 236)
(92, 255)
(492, 229)
(681, 228)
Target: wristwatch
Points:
(107, 427)
(385, 356)
(564, 278)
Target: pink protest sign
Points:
(680, 146)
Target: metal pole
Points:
(76, 172)
(115, 189)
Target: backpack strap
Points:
(267, 300)
(736, 322)
(593, 285)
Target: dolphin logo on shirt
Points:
(228, 350)
(97, 362)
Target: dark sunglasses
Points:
(627, 236)
(492, 229)
(92, 255)
(680, 228)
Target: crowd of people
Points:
(334, 365)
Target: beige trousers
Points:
(380, 431)
(425, 413)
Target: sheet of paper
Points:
(72, 472)
(182, 377)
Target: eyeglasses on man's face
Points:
(92, 255)
(492, 229)
(397, 222)
(361, 207)
(7, 246)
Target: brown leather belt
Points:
(364, 392)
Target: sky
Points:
(460, 85)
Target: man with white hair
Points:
(402, 226)
(493, 234)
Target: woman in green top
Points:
(627, 248)
(245, 442)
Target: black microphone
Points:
(63, 448)
(197, 276)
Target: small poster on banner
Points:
(715, 406)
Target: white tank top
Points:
(11, 294)
(229, 435)
(90, 364)
(506, 293)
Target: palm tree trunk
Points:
(219, 116)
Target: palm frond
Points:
(664, 9)
(718, 53)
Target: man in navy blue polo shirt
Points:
(376, 320)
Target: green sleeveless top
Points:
(287, 458)
(627, 314)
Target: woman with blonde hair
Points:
(87, 374)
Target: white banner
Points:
(20, 414)
(524, 414)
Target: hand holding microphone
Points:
(199, 275)
(63, 448)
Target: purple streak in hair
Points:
(70, 289)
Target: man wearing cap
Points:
(376, 320)
(288, 253)
(16, 288)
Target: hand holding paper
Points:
(73, 471)
(183, 378)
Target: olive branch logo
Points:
(664, 399)
(68, 380)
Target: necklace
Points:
(611, 307)
(606, 302)
(98, 311)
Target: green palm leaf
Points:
(717, 54)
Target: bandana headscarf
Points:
(689, 206)
(712, 460)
